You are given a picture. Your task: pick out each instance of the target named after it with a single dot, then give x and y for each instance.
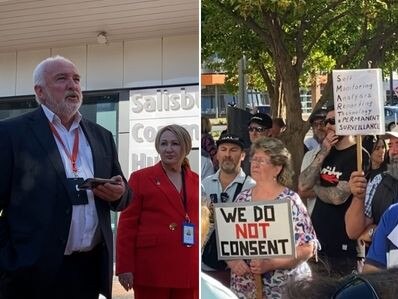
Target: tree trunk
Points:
(296, 128)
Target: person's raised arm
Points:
(310, 176)
(355, 219)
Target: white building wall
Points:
(139, 63)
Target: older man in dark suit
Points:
(53, 235)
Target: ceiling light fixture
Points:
(102, 38)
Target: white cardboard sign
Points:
(359, 102)
(254, 230)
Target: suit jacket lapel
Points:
(162, 182)
(41, 130)
(95, 148)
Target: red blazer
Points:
(149, 234)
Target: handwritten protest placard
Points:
(254, 230)
(359, 101)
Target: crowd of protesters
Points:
(349, 218)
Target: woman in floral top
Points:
(271, 169)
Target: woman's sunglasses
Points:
(257, 129)
(331, 121)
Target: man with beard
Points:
(319, 130)
(56, 239)
(328, 176)
(224, 186)
(372, 199)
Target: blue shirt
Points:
(383, 253)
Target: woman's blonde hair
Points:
(279, 156)
(205, 222)
(182, 136)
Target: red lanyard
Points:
(73, 157)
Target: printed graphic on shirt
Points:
(330, 175)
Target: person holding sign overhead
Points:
(157, 250)
(271, 169)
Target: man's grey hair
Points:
(38, 73)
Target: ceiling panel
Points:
(30, 24)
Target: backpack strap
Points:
(238, 188)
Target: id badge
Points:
(78, 197)
(188, 234)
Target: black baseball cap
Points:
(231, 138)
(262, 119)
(318, 114)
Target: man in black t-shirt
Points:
(328, 177)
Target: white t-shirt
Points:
(213, 289)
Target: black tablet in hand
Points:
(94, 182)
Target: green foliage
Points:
(321, 34)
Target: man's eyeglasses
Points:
(318, 123)
(355, 287)
(331, 121)
(257, 129)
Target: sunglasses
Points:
(257, 129)
(331, 121)
(355, 287)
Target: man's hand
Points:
(111, 192)
(358, 184)
(329, 141)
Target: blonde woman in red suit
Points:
(157, 238)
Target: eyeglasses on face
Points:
(355, 287)
(260, 161)
(257, 129)
(318, 123)
(331, 121)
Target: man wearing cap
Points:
(260, 125)
(314, 143)
(318, 130)
(226, 184)
(372, 199)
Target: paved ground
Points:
(118, 292)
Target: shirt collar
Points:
(53, 118)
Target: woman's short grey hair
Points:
(279, 156)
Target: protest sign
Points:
(359, 102)
(254, 230)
